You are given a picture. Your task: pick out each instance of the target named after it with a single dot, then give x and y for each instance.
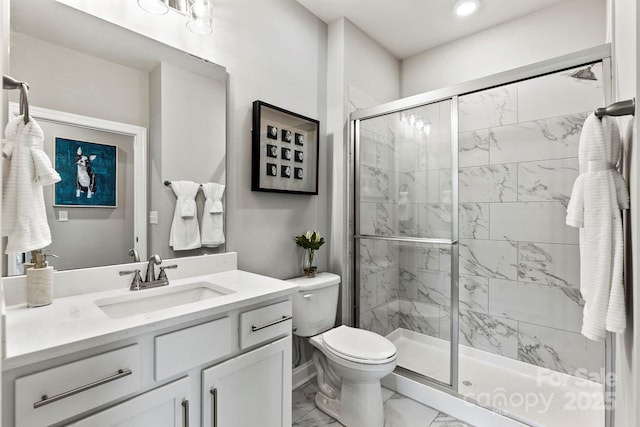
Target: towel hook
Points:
(10, 83)
(24, 102)
(620, 108)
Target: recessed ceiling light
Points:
(465, 7)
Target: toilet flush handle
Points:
(307, 296)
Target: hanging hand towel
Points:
(212, 226)
(26, 169)
(185, 233)
(597, 197)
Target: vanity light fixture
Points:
(465, 7)
(199, 13)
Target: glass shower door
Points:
(406, 233)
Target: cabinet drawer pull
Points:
(46, 399)
(214, 407)
(275, 322)
(185, 412)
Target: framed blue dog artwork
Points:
(89, 173)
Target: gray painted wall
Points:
(92, 236)
(275, 51)
(564, 28)
(187, 139)
(184, 111)
(66, 80)
(73, 82)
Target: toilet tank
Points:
(315, 303)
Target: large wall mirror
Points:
(163, 110)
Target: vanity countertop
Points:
(74, 323)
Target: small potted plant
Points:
(310, 241)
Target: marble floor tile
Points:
(303, 400)
(399, 411)
(316, 418)
(444, 420)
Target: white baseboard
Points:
(447, 403)
(303, 373)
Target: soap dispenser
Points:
(39, 280)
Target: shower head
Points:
(584, 74)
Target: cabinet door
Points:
(250, 390)
(165, 406)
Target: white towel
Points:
(597, 197)
(185, 233)
(212, 226)
(26, 169)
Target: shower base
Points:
(530, 394)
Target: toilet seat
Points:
(359, 345)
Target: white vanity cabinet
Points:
(164, 377)
(250, 390)
(53, 395)
(165, 406)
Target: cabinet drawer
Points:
(161, 407)
(187, 348)
(266, 323)
(50, 396)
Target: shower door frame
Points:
(583, 57)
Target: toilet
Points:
(349, 362)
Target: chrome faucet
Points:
(150, 280)
(154, 260)
(134, 254)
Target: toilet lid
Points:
(364, 346)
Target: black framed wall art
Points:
(285, 149)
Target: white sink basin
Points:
(148, 300)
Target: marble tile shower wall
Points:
(405, 191)
(379, 259)
(519, 263)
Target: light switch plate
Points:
(153, 217)
(63, 216)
